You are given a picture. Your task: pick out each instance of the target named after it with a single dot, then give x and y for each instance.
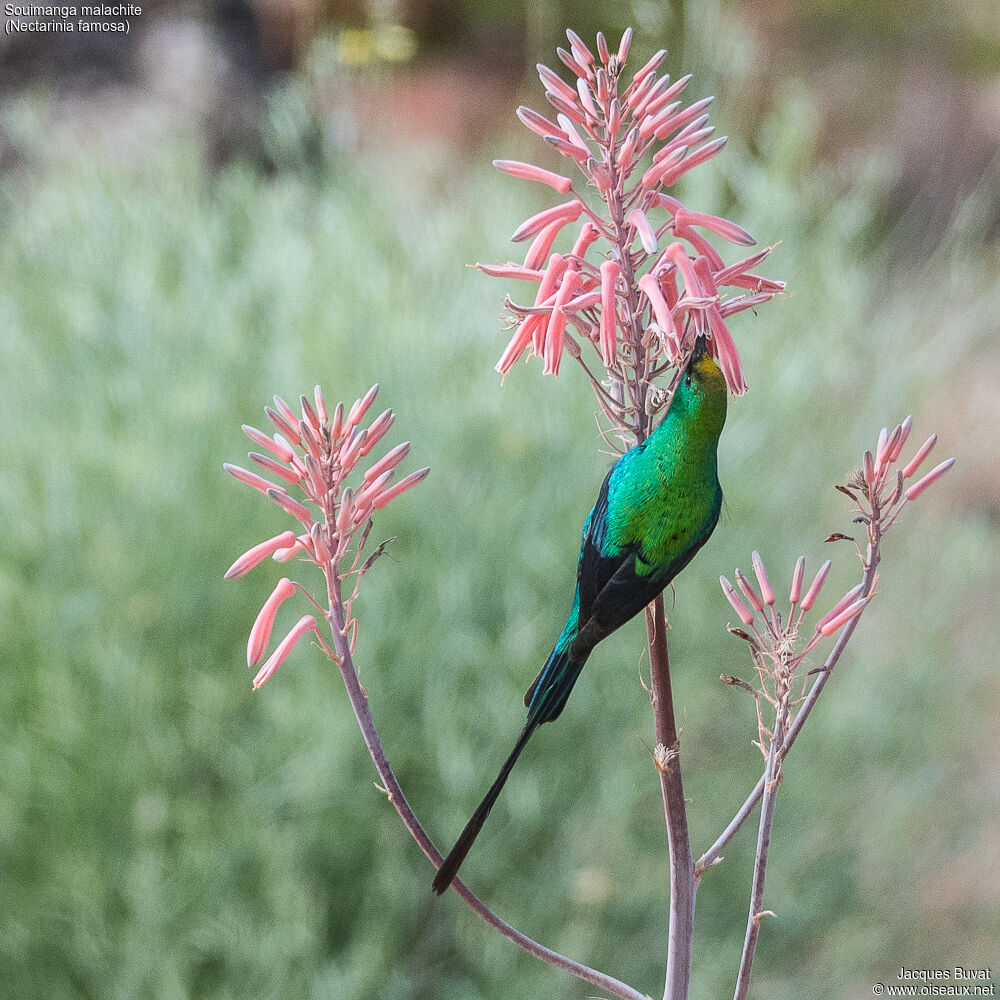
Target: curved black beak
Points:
(700, 349)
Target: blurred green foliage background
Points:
(165, 832)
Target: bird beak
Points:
(700, 349)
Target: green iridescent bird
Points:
(657, 507)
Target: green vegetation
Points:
(167, 833)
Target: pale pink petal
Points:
(309, 415)
(278, 448)
(401, 487)
(320, 404)
(656, 173)
(602, 48)
(538, 124)
(586, 99)
(553, 272)
(260, 634)
(290, 506)
(580, 50)
(679, 256)
(388, 461)
(650, 287)
(904, 433)
(287, 427)
(564, 214)
(517, 271)
(615, 117)
(693, 159)
(286, 411)
(556, 329)
(918, 459)
(310, 439)
(588, 234)
(554, 82)
(637, 219)
(650, 67)
(817, 585)
(651, 122)
(377, 431)
(319, 545)
(305, 624)
(721, 227)
(528, 171)
(624, 45)
(256, 555)
(658, 103)
(291, 476)
(746, 616)
(932, 477)
(829, 626)
(610, 270)
(849, 598)
(250, 478)
(796, 592)
(748, 591)
(345, 510)
(682, 118)
(517, 346)
(571, 63)
(761, 573)
(360, 408)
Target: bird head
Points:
(702, 392)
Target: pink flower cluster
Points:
(317, 453)
(879, 497)
(879, 487)
(631, 140)
(780, 634)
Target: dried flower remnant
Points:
(631, 312)
(318, 455)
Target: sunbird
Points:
(657, 507)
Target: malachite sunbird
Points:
(657, 507)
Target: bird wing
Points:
(626, 591)
(597, 566)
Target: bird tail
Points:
(545, 699)
(450, 865)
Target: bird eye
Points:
(687, 379)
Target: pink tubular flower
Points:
(610, 270)
(360, 408)
(751, 595)
(260, 634)
(746, 616)
(847, 600)
(542, 244)
(337, 516)
(932, 477)
(721, 227)
(918, 459)
(529, 171)
(607, 123)
(650, 287)
(304, 625)
(829, 626)
(637, 218)
(567, 212)
(401, 487)
(817, 585)
(761, 573)
(256, 555)
(555, 333)
(796, 591)
(250, 478)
